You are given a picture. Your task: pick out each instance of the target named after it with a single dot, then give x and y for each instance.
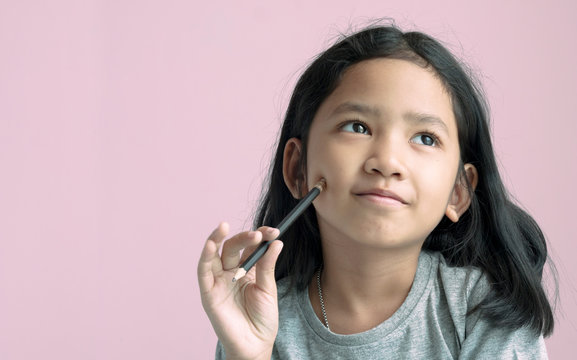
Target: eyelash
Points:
(429, 133)
(355, 121)
(432, 135)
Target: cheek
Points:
(328, 162)
(437, 183)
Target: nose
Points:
(387, 157)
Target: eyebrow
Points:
(428, 119)
(356, 107)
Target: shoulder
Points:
(285, 287)
(464, 287)
(452, 292)
(288, 298)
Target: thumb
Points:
(265, 268)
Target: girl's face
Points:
(386, 142)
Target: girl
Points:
(414, 249)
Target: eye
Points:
(356, 127)
(425, 139)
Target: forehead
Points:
(390, 71)
(392, 87)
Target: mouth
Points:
(382, 196)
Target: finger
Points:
(265, 268)
(209, 261)
(268, 233)
(232, 247)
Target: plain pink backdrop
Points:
(129, 129)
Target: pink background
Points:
(129, 129)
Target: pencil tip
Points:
(239, 274)
(321, 185)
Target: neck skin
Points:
(362, 285)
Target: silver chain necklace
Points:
(321, 299)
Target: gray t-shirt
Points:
(432, 323)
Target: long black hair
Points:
(494, 234)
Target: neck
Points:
(364, 286)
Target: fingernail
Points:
(271, 231)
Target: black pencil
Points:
(283, 226)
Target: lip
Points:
(383, 196)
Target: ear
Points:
(291, 171)
(460, 198)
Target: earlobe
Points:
(291, 167)
(452, 214)
(461, 196)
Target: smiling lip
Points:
(381, 196)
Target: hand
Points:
(244, 314)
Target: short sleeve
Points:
(485, 341)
